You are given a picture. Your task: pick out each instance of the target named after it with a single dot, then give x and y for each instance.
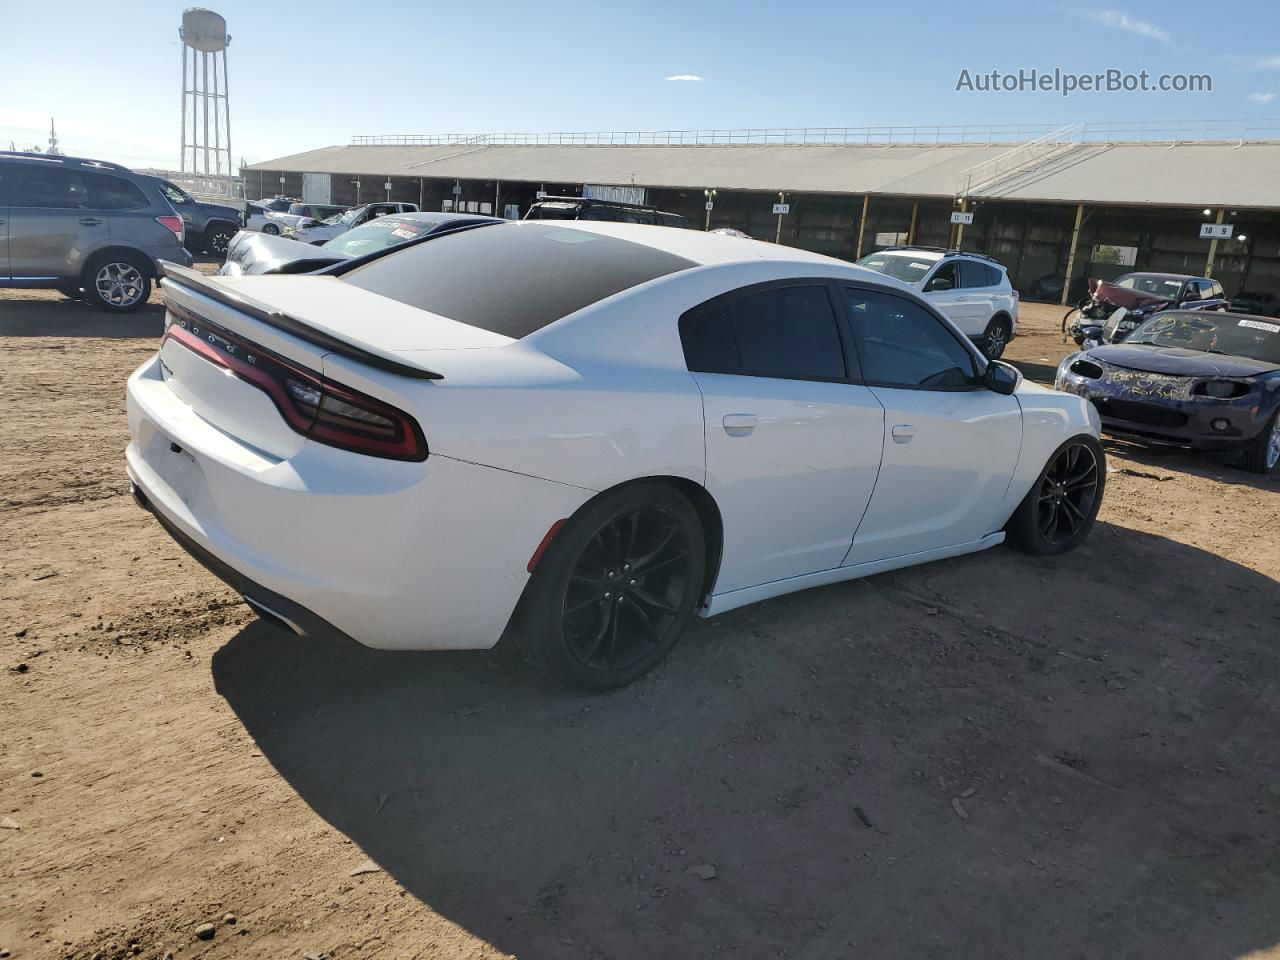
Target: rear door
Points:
(943, 290)
(978, 292)
(792, 442)
(53, 226)
(950, 445)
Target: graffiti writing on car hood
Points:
(1151, 386)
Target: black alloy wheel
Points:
(626, 588)
(1067, 494)
(613, 591)
(1059, 510)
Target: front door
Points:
(793, 447)
(950, 445)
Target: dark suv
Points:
(585, 208)
(210, 226)
(85, 227)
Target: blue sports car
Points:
(1203, 381)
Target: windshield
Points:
(1213, 333)
(1166, 287)
(908, 268)
(346, 216)
(378, 235)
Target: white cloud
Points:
(686, 77)
(1263, 63)
(1261, 97)
(1122, 21)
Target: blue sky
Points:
(309, 74)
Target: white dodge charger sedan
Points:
(582, 434)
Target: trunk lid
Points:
(226, 332)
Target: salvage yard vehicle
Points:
(87, 228)
(1203, 381)
(1257, 302)
(253, 254)
(209, 226)
(320, 231)
(972, 290)
(609, 211)
(1114, 309)
(258, 216)
(581, 434)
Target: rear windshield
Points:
(513, 278)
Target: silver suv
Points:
(90, 229)
(971, 289)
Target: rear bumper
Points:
(393, 554)
(271, 606)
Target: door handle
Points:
(90, 221)
(903, 432)
(962, 299)
(739, 424)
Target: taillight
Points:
(316, 407)
(173, 223)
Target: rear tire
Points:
(996, 338)
(615, 588)
(117, 282)
(1263, 453)
(1059, 510)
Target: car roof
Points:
(696, 245)
(914, 254)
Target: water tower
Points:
(206, 144)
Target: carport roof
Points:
(1165, 174)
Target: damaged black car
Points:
(1202, 381)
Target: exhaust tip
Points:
(266, 613)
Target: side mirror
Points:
(939, 283)
(1000, 378)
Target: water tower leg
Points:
(182, 157)
(226, 112)
(204, 95)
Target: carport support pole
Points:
(1213, 246)
(777, 237)
(862, 225)
(964, 207)
(911, 230)
(1071, 256)
(421, 195)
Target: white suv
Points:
(971, 289)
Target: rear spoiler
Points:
(194, 280)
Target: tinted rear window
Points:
(513, 278)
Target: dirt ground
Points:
(990, 757)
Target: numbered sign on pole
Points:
(1216, 231)
(965, 218)
(781, 208)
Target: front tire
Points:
(614, 590)
(1058, 512)
(117, 283)
(1263, 453)
(218, 239)
(270, 229)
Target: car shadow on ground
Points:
(63, 317)
(933, 762)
